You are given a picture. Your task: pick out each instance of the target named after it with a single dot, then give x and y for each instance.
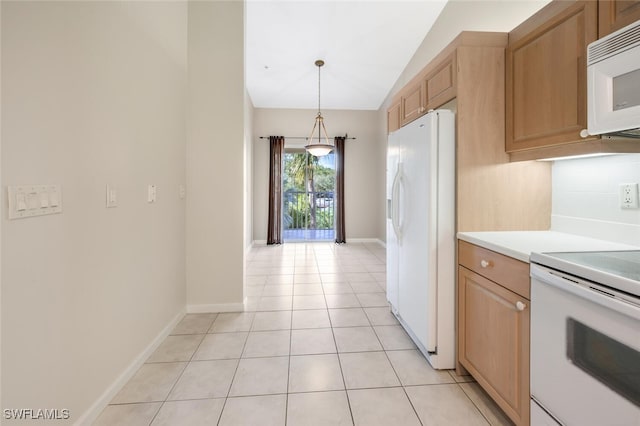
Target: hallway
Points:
(316, 346)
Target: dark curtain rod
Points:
(295, 137)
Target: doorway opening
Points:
(308, 183)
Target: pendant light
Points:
(319, 149)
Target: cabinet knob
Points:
(485, 263)
(520, 306)
(584, 133)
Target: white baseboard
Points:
(259, 243)
(89, 416)
(364, 240)
(215, 307)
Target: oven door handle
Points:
(582, 289)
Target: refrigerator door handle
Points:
(394, 198)
(395, 203)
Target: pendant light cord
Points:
(319, 111)
(319, 89)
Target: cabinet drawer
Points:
(506, 271)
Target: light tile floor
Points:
(317, 345)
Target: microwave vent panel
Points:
(619, 41)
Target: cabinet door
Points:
(412, 105)
(616, 14)
(493, 341)
(393, 118)
(441, 84)
(546, 92)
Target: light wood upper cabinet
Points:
(546, 80)
(412, 102)
(393, 117)
(468, 76)
(546, 74)
(616, 14)
(429, 90)
(441, 83)
(493, 327)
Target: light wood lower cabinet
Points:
(493, 331)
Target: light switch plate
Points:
(151, 194)
(34, 200)
(112, 196)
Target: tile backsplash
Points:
(585, 197)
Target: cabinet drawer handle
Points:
(485, 263)
(520, 306)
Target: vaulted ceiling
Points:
(365, 45)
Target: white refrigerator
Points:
(421, 233)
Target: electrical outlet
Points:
(628, 195)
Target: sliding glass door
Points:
(308, 196)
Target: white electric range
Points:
(585, 338)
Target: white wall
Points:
(92, 94)
(215, 156)
(1, 225)
(248, 172)
(364, 164)
(585, 197)
(248, 184)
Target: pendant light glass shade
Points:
(319, 149)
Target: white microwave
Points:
(613, 83)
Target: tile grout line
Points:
(286, 400)
(398, 377)
(224, 405)
(183, 370)
(404, 390)
(474, 404)
(333, 334)
(344, 382)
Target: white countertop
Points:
(520, 244)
